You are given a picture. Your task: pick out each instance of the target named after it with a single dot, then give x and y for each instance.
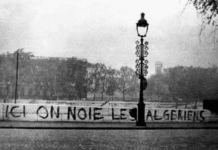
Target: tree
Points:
(43, 77)
(94, 78)
(134, 85)
(72, 78)
(175, 82)
(103, 78)
(111, 82)
(209, 12)
(210, 83)
(157, 87)
(80, 78)
(149, 92)
(124, 79)
(192, 83)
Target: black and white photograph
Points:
(108, 75)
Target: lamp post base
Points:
(141, 114)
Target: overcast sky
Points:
(105, 31)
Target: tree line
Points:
(63, 78)
(187, 84)
(73, 78)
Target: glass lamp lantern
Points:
(142, 26)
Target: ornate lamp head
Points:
(142, 26)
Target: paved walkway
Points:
(89, 125)
(83, 139)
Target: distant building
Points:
(47, 58)
(158, 67)
(45, 78)
(165, 70)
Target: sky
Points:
(105, 31)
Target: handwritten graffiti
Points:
(83, 114)
(171, 115)
(176, 115)
(66, 113)
(122, 115)
(35, 112)
(13, 111)
(43, 112)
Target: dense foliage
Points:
(185, 84)
(60, 78)
(208, 9)
(73, 78)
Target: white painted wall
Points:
(69, 113)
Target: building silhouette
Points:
(43, 78)
(158, 67)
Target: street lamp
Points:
(141, 67)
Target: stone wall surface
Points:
(70, 113)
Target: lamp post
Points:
(16, 83)
(17, 65)
(141, 67)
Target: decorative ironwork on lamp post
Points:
(141, 67)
